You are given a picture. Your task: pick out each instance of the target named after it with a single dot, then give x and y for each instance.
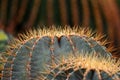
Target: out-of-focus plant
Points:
(3, 41)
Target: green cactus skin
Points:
(29, 55)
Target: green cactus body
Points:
(29, 55)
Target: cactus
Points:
(29, 54)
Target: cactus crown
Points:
(59, 32)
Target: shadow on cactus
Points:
(29, 55)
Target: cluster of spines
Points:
(61, 31)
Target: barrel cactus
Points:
(55, 54)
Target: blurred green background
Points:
(16, 16)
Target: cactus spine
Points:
(29, 54)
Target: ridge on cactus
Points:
(28, 55)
